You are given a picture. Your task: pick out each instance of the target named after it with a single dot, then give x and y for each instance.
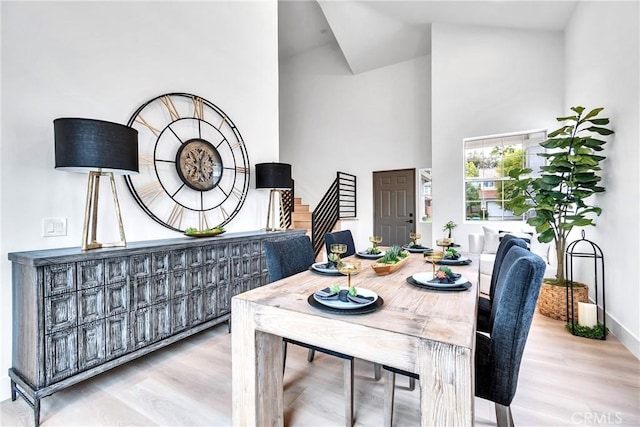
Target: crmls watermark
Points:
(596, 418)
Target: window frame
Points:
(529, 140)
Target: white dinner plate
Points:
(320, 266)
(335, 303)
(424, 279)
(364, 254)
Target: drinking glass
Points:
(414, 238)
(338, 249)
(434, 257)
(349, 268)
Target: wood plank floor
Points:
(564, 380)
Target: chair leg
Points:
(310, 355)
(503, 416)
(348, 391)
(284, 355)
(377, 371)
(412, 383)
(389, 392)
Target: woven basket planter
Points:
(553, 300)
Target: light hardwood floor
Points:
(564, 380)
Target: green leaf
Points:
(593, 113)
(578, 109)
(601, 131)
(599, 121)
(562, 119)
(546, 236)
(583, 222)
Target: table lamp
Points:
(276, 177)
(98, 148)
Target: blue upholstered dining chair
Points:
(484, 304)
(286, 258)
(344, 237)
(498, 356)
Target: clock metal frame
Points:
(194, 166)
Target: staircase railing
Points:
(338, 202)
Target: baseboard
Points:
(631, 342)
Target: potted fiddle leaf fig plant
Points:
(560, 196)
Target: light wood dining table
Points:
(430, 333)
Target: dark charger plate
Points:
(366, 309)
(458, 288)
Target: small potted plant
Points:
(448, 227)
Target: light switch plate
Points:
(54, 227)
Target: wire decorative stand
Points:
(588, 250)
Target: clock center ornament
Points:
(194, 166)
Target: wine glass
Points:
(414, 238)
(338, 249)
(375, 240)
(349, 268)
(434, 258)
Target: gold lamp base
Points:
(89, 231)
(271, 211)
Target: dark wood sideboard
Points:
(77, 314)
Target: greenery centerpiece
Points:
(560, 196)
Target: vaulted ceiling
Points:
(373, 34)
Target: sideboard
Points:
(77, 314)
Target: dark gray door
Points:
(394, 205)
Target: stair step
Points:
(301, 216)
(301, 225)
(301, 208)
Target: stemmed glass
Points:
(434, 257)
(349, 268)
(375, 240)
(414, 238)
(338, 249)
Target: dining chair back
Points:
(286, 258)
(342, 236)
(484, 304)
(498, 356)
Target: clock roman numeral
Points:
(175, 218)
(143, 122)
(198, 108)
(224, 119)
(224, 213)
(203, 224)
(150, 192)
(171, 108)
(145, 160)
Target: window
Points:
(488, 161)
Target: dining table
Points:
(426, 331)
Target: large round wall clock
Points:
(194, 167)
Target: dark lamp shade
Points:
(273, 175)
(84, 145)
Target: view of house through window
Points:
(488, 161)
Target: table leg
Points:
(257, 388)
(446, 380)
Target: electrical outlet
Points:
(54, 227)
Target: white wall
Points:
(602, 47)
(102, 60)
(487, 81)
(332, 120)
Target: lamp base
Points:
(89, 230)
(271, 211)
